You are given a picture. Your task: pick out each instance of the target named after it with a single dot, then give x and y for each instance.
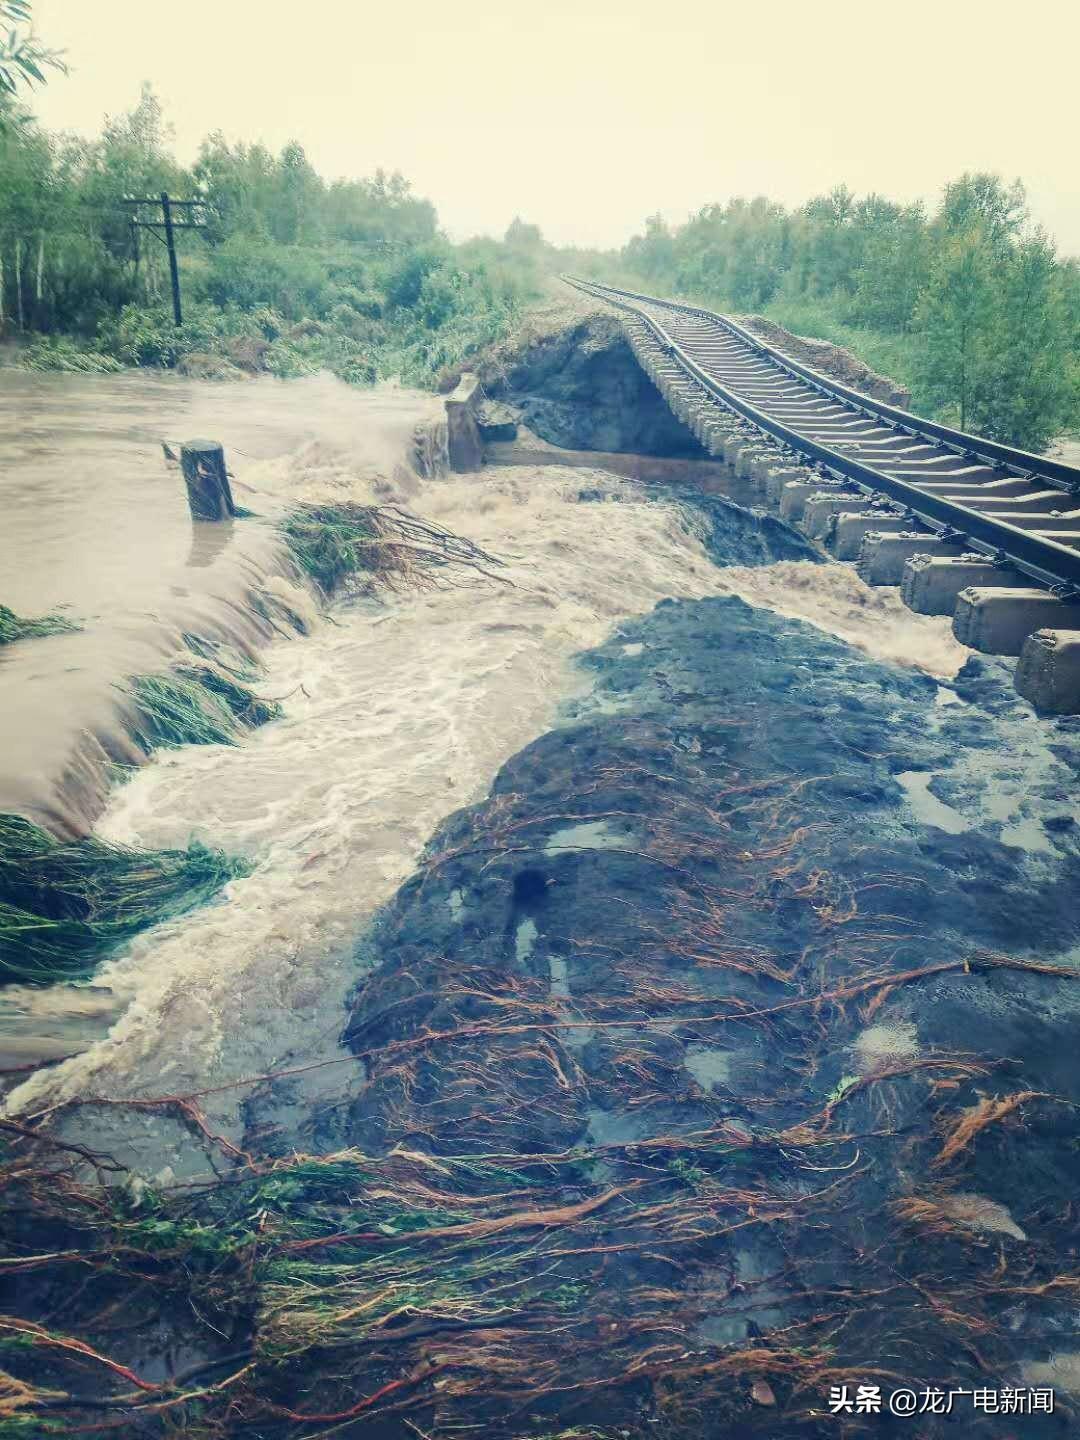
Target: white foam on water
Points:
(872, 618)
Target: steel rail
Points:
(1024, 463)
(1050, 564)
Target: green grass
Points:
(58, 353)
(207, 700)
(892, 354)
(14, 627)
(393, 548)
(66, 903)
(330, 543)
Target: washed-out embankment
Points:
(664, 958)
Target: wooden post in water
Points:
(208, 490)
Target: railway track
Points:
(964, 525)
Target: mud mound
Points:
(694, 1074)
(576, 383)
(830, 359)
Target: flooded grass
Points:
(14, 627)
(197, 703)
(333, 544)
(64, 904)
(644, 1120)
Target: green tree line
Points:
(969, 305)
(290, 273)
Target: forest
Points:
(966, 303)
(288, 274)
(969, 305)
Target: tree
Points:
(893, 269)
(295, 215)
(984, 201)
(955, 315)
(652, 254)
(526, 238)
(829, 236)
(1030, 385)
(237, 182)
(404, 280)
(23, 59)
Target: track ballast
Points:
(1020, 510)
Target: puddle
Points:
(947, 697)
(612, 1127)
(978, 1213)
(927, 807)
(757, 1301)
(591, 835)
(1026, 835)
(525, 940)
(708, 1066)
(1060, 1372)
(560, 985)
(881, 1045)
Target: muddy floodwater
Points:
(396, 712)
(96, 528)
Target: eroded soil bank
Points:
(571, 376)
(722, 1053)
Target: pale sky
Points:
(584, 116)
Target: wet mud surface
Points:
(575, 382)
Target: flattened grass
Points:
(64, 904)
(14, 627)
(391, 546)
(333, 542)
(204, 700)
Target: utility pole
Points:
(174, 273)
(169, 226)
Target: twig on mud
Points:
(986, 1112)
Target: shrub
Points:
(356, 370)
(248, 352)
(149, 336)
(253, 275)
(268, 322)
(363, 302)
(59, 353)
(404, 280)
(285, 360)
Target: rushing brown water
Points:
(96, 527)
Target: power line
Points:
(169, 226)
